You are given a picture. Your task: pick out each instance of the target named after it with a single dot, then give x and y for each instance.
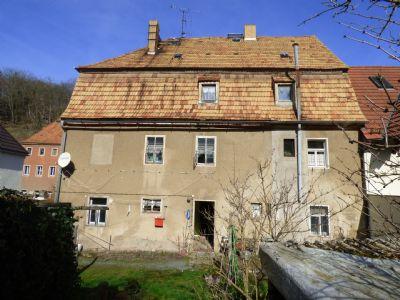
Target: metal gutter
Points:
(299, 141)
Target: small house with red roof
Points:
(378, 93)
(39, 172)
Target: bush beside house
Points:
(37, 252)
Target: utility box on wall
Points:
(159, 222)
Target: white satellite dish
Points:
(64, 159)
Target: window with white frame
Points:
(208, 92)
(319, 220)
(52, 171)
(41, 151)
(255, 210)
(317, 153)
(97, 215)
(54, 152)
(27, 170)
(284, 92)
(29, 150)
(205, 150)
(151, 205)
(154, 149)
(39, 171)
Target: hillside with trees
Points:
(27, 103)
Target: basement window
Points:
(151, 205)
(381, 82)
(208, 92)
(284, 93)
(205, 151)
(255, 210)
(154, 150)
(319, 220)
(97, 217)
(289, 148)
(317, 153)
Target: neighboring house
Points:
(12, 156)
(40, 166)
(375, 87)
(155, 133)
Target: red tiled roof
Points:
(223, 53)
(374, 108)
(9, 144)
(51, 134)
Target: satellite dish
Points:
(64, 159)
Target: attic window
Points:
(284, 92)
(381, 82)
(208, 92)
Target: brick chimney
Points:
(250, 32)
(153, 37)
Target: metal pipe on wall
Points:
(299, 127)
(58, 187)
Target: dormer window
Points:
(284, 92)
(381, 82)
(208, 92)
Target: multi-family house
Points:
(155, 134)
(40, 166)
(12, 155)
(378, 92)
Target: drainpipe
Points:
(59, 173)
(298, 133)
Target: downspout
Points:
(59, 173)
(298, 133)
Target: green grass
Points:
(154, 284)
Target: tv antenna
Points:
(184, 13)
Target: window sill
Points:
(284, 103)
(95, 225)
(318, 168)
(206, 165)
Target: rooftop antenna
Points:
(184, 13)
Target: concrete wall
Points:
(121, 175)
(10, 170)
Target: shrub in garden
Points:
(37, 251)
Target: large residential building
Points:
(40, 166)
(378, 92)
(155, 135)
(12, 156)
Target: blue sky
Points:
(48, 38)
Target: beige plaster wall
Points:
(124, 179)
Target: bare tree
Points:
(374, 23)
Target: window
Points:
(208, 92)
(97, 217)
(205, 151)
(284, 92)
(29, 150)
(381, 82)
(288, 148)
(41, 152)
(317, 153)
(52, 171)
(27, 170)
(39, 171)
(154, 149)
(255, 210)
(54, 152)
(319, 220)
(151, 205)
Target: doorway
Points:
(204, 220)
